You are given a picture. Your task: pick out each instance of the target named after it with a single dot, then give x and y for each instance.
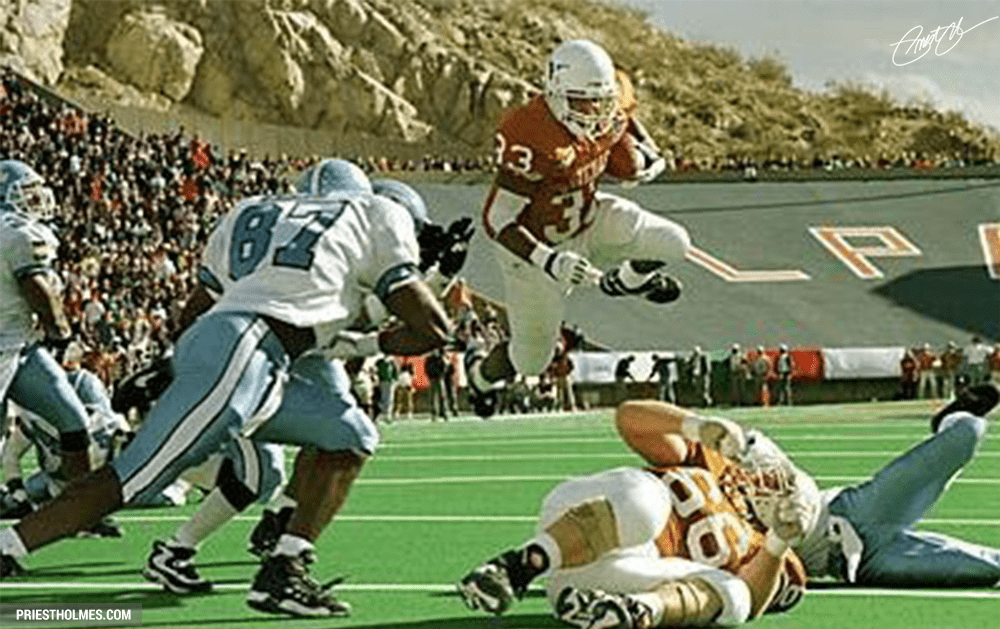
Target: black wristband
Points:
(549, 262)
(74, 441)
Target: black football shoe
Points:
(978, 400)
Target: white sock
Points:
(551, 548)
(214, 511)
(11, 544)
(291, 545)
(281, 502)
(629, 277)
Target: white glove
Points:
(652, 171)
(655, 165)
(722, 435)
(571, 269)
(349, 344)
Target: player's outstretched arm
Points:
(762, 574)
(652, 430)
(424, 326)
(656, 431)
(42, 294)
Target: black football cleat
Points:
(484, 403)
(655, 285)
(9, 567)
(170, 566)
(283, 586)
(978, 400)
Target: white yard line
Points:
(461, 519)
(913, 436)
(480, 458)
(447, 587)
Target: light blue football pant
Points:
(884, 510)
(41, 386)
(231, 377)
(259, 466)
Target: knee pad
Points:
(585, 532)
(238, 494)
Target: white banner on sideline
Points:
(846, 363)
(599, 367)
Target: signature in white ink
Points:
(924, 44)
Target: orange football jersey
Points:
(711, 521)
(540, 159)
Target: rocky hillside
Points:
(443, 70)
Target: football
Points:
(625, 160)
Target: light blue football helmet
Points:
(22, 189)
(407, 197)
(330, 176)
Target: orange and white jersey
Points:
(547, 176)
(710, 519)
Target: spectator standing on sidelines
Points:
(404, 392)
(623, 374)
(929, 364)
(761, 370)
(700, 367)
(739, 374)
(448, 379)
(561, 369)
(665, 370)
(388, 374)
(909, 368)
(784, 366)
(951, 361)
(435, 368)
(976, 365)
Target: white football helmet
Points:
(24, 190)
(782, 494)
(581, 88)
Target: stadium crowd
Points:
(134, 212)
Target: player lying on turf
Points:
(548, 220)
(865, 533)
(675, 544)
(292, 275)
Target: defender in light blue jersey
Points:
(29, 288)
(290, 274)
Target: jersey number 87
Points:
(254, 227)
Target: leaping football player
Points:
(550, 223)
